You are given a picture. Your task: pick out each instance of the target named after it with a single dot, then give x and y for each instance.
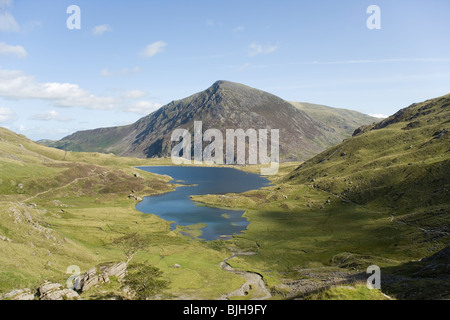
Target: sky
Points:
(114, 62)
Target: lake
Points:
(177, 206)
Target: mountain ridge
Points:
(224, 105)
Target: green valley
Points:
(379, 198)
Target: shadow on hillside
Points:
(427, 279)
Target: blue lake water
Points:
(177, 207)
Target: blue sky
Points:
(131, 57)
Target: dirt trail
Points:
(254, 280)
(65, 186)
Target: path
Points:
(253, 281)
(65, 186)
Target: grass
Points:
(357, 292)
(73, 206)
(380, 198)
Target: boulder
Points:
(89, 279)
(19, 294)
(54, 291)
(115, 270)
(86, 281)
(48, 287)
(65, 294)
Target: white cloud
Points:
(31, 25)
(7, 114)
(17, 85)
(100, 30)
(5, 3)
(134, 94)
(17, 51)
(107, 73)
(238, 29)
(210, 23)
(255, 49)
(7, 22)
(49, 116)
(245, 66)
(153, 49)
(381, 61)
(379, 115)
(123, 72)
(143, 107)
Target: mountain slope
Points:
(225, 105)
(400, 164)
(46, 196)
(335, 124)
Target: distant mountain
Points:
(225, 105)
(335, 124)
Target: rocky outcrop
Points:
(19, 294)
(84, 282)
(54, 291)
(99, 275)
(132, 196)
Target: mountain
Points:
(225, 105)
(336, 124)
(399, 169)
(400, 164)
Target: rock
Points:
(65, 294)
(86, 281)
(440, 134)
(132, 196)
(89, 279)
(115, 270)
(48, 287)
(26, 296)
(19, 294)
(54, 291)
(3, 238)
(176, 266)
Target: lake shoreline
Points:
(172, 206)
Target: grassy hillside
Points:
(59, 209)
(400, 163)
(380, 197)
(336, 124)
